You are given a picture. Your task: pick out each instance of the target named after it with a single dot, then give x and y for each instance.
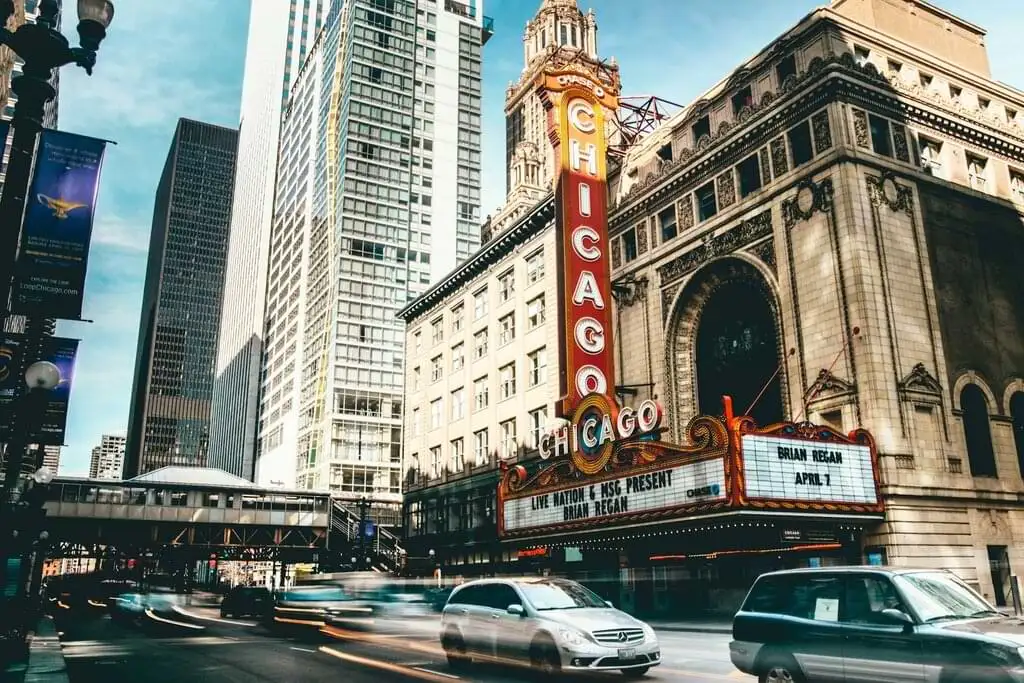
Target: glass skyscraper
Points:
(181, 301)
(378, 195)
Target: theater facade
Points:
(782, 330)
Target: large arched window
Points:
(738, 353)
(977, 432)
(1017, 415)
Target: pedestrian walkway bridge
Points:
(208, 510)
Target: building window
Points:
(480, 447)
(977, 432)
(667, 223)
(416, 422)
(861, 54)
(437, 331)
(435, 462)
(435, 369)
(416, 377)
(458, 404)
(976, 172)
(931, 155)
(925, 80)
(743, 98)
(538, 367)
(955, 92)
(480, 304)
(480, 345)
(538, 423)
(458, 455)
(800, 147)
(506, 329)
(706, 204)
(506, 286)
(481, 397)
(701, 128)
(418, 341)
(458, 357)
(881, 137)
(535, 313)
(534, 267)
(785, 68)
(749, 171)
(458, 314)
(436, 414)
(507, 376)
(1017, 186)
(629, 245)
(509, 445)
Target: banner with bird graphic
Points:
(57, 229)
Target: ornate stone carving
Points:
(732, 240)
(766, 165)
(629, 290)
(860, 128)
(685, 213)
(641, 238)
(821, 131)
(780, 162)
(827, 386)
(726, 189)
(899, 141)
(766, 252)
(810, 198)
(616, 247)
(668, 295)
(885, 190)
(921, 382)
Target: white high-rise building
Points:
(378, 195)
(281, 33)
(107, 459)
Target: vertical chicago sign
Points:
(578, 106)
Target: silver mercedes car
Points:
(550, 624)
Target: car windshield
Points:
(549, 595)
(939, 595)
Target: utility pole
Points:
(364, 506)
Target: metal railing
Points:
(385, 545)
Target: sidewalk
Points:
(45, 659)
(721, 625)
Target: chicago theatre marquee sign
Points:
(605, 465)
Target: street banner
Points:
(55, 235)
(49, 413)
(62, 353)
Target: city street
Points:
(213, 650)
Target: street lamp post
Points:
(41, 378)
(43, 49)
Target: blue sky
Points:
(159, 63)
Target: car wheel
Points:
(636, 673)
(455, 650)
(544, 658)
(781, 669)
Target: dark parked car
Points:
(245, 601)
(873, 624)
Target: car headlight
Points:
(571, 636)
(649, 634)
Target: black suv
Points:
(244, 601)
(872, 624)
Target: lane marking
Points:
(154, 617)
(202, 618)
(701, 674)
(302, 649)
(423, 674)
(437, 673)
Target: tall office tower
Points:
(394, 103)
(281, 34)
(107, 460)
(51, 458)
(181, 300)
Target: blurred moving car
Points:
(381, 604)
(128, 607)
(304, 606)
(551, 624)
(246, 601)
(873, 624)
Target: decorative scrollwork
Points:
(706, 432)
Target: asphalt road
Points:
(193, 644)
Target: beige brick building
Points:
(832, 233)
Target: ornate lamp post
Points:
(41, 378)
(43, 49)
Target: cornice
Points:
(491, 253)
(838, 76)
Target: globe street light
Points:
(41, 378)
(43, 49)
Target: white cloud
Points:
(122, 232)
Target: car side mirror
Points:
(516, 610)
(898, 617)
(609, 604)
